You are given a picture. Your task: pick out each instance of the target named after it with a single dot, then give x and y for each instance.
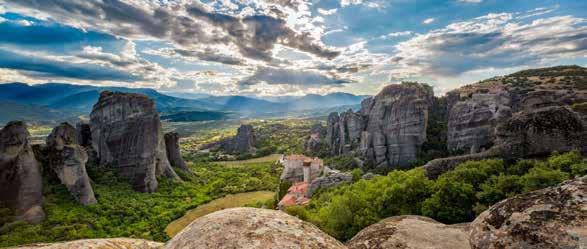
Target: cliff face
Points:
(127, 135)
(20, 178)
(388, 130)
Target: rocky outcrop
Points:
(328, 181)
(243, 142)
(554, 217)
(83, 134)
(173, 152)
(313, 144)
(527, 133)
(389, 129)
(127, 136)
(68, 160)
(114, 243)
(411, 232)
(251, 228)
(20, 178)
(472, 122)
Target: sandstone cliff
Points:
(173, 151)
(243, 142)
(20, 178)
(127, 136)
(388, 130)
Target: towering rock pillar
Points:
(127, 136)
(173, 153)
(68, 160)
(20, 179)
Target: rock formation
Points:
(472, 122)
(554, 217)
(173, 152)
(243, 142)
(331, 180)
(20, 178)
(411, 232)
(388, 130)
(312, 146)
(68, 160)
(127, 135)
(527, 133)
(113, 243)
(251, 228)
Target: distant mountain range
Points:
(53, 102)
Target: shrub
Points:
(542, 177)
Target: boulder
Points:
(251, 228)
(127, 136)
(411, 232)
(328, 181)
(20, 178)
(67, 159)
(553, 217)
(113, 243)
(173, 151)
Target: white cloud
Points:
(397, 34)
(327, 12)
(428, 21)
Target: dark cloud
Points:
(42, 67)
(209, 55)
(255, 36)
(271, 75)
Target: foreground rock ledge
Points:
(251, 228)
(411, 232)
(554, 217)
(115, 243)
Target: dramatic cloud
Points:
(189, 26)
(270, 75)
(492, 41)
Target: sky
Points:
(285, 47)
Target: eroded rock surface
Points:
(312, 146)
(249, 228)
(20, 178)
(554, 217)
(388, 130)
(411, 232)
(527, 133)
(114, 243)
(127, 136)
(173, 151)
(68, 160)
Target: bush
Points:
(541, 177)
(342, 162)
(452, 201)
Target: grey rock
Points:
(411, 232)
(553, 217)
(369, 176)
(173, 151)
(313, 144)
(127, 136)
(68, 160)
(249, 228)
(20, 178)
(243, 142)
(472, 122)
(83, 134)
(527, 133)
(388, 130)
(328, 181)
